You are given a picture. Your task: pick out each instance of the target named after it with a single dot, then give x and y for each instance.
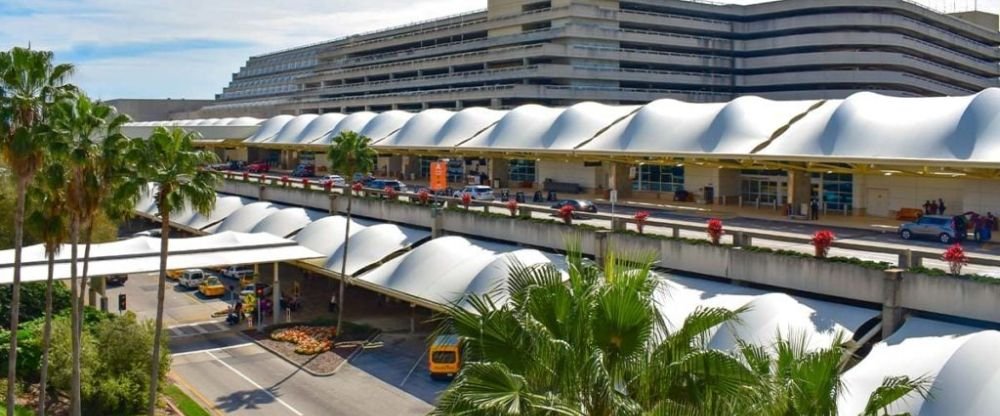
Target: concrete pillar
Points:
(437, 227)
(892, 310)
(262, 193)
(275, 297)
(618, 224)
(333, 203)
(459, 105)
(618, 179)
(97, 287)
(499, 169)
(905, 260)
(601, 251)
(495, 103)
(799, 190)
(395, 166)
(413, 318)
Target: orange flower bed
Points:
(309, 340)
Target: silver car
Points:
(477, 192)
(939, 227)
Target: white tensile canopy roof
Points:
(244, 220)
(444, 270)
(213, 129)
(959, 130)
(142, 255)
(287, 221)
(961, 361)
(769, 314)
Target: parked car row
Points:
(210, 285)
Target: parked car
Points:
(381, 184)
(174, 274)
(219, 166)
(237, 272)
(337, 180)
(155, 232)
(116, 280)
(939, 227)
(258, 167)
(211, 287)
(252, 289)
(577, 204)
(191, 278)
(237, 165)
(304, 171)
(478, 192)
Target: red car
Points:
(258, 167)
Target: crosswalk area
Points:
(198, 328)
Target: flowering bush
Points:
(261, 178)
(821, 242)
(956, 258)
(246, 176)
(566, 213)
(424, 196)
(391, 192)
(285, 181)
(306, 184)
(327, 185)
(466, 199)
(309, 340)
(640, 219)
(512, 206)
(715, 230)
(357, 187)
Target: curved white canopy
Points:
(419, 131)
(141, 255)
(678, 128)
(962, 365)
(325, 235)
(287, 221)
(245, 219)
(385, 124)
(354, 122)
(443, 270)
(371, 245)
(320, 127)
(225, 205)
(532, 127)
(290, 132)
(935, 128)
(269, 129)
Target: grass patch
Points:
(186, 404)
(18, 410)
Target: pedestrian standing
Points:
(927, 207)
(993, 221)
(814, 208)
(940, 206)
(934, 208)
(333, 303)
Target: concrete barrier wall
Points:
(399, 213)
(950, 296)
(537, 234)
(941, 295)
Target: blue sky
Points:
(190, 48)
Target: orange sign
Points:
(439, 176)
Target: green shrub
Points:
(33, 301)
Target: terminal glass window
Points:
(837, 191)
(659, 178)
(521, 170)
(763, 185)
(425, 166)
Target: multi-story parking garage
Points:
(868, 154)
(561, 52)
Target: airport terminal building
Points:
(869, 106)
(562, 52)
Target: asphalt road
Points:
(227, 370)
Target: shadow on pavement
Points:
(393, 364)
(245, 399)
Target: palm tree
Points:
(47, 222)
(29, 82)
(349, 153)
(168, 160)
(594, 344)
(796, 380)
(94, 150)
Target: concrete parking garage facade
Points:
(562, 52)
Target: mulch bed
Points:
(320, 364)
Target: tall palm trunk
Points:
(46, 336)
(15, 297)
(74, 233)
(343, 265)
(87, 236)
(154, 361)
(78, 309)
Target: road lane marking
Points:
(181, 354)
(258, 386)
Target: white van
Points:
(238, 272)
(191, 278)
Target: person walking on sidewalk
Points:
(940, 206)
(814, 210)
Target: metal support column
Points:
(275, 297)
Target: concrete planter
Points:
(950, 296)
